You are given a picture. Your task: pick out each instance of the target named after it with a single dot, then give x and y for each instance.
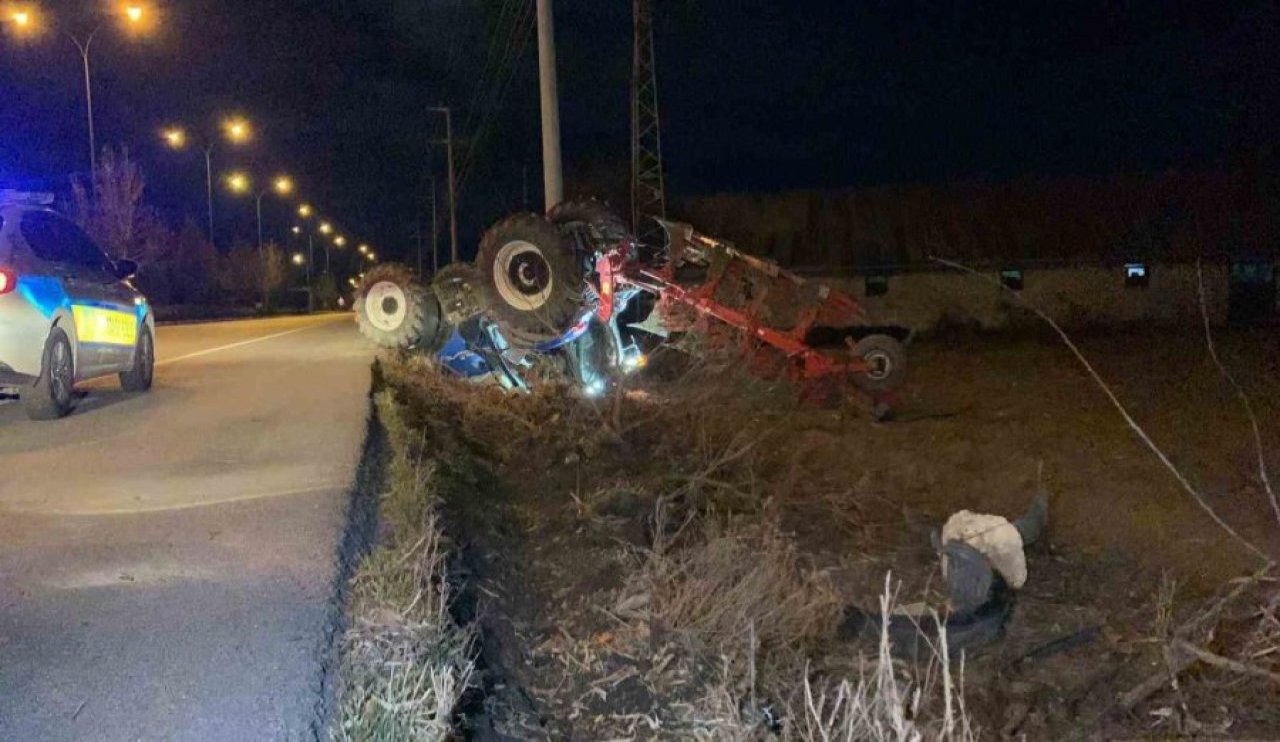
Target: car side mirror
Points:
(126, 269)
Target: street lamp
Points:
(304, 211)
(298, 259)
(241, 183)
(238, 182)
(175, 137)
(340, 241)
(237, 129)
(26, 21)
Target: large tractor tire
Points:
(594, 218)
(395, 311)
(533, 278)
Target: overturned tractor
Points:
(554, 288)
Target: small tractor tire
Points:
(886, 360)
(533, 277)
(395, 311)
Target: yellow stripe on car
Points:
(97, 325)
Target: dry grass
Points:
(738, 609)
(721, 617)
(405, 664)
(890, 701)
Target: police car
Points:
(67, 312)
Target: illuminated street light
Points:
(26, 22)
(340, 241)
(364, 249)
(325, 228)
(238, 182)
(237, 129)
(299, 259)
(296, 229)
(304, 211)
(175, 137)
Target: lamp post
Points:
(235, 129)
(305, 211)
(282, 185)
(27, 21)
(326, 229)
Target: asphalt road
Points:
(167, 559)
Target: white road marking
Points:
(220, 348)
(97, 512)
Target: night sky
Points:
(755, 96)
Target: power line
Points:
(520, 35)
(492, 62)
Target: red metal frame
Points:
(832, 308)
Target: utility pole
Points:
(417, 232)
(453, 196)
(435, 231)
(648, 191)
(552, 177)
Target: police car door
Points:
(104, 328)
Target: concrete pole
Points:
(453, 193)
(552, 177)
(435, 231)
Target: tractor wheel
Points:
(604, 227)
(886, 360)
(395, 311)
(533, 277)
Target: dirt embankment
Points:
(674, 561)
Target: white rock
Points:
(995, 537)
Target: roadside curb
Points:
(358, 536)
